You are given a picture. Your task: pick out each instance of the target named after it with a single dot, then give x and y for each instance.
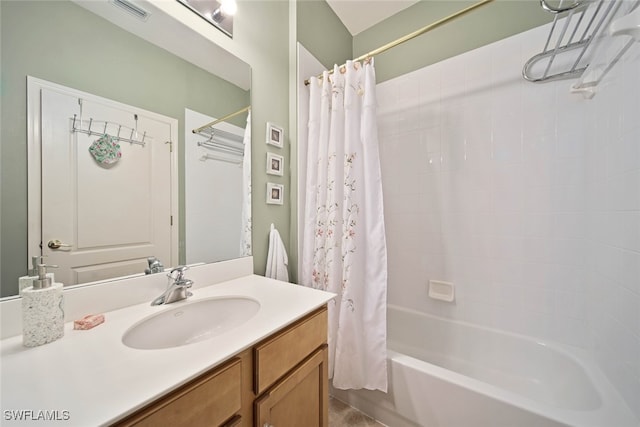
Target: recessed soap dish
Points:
(443, 291)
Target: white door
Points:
(107, 218)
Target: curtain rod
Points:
(414, 34)
(222, 119)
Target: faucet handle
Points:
(180, 269)
(184, 283)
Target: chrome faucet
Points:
(177, 289)
(155, 266)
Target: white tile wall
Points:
(525, 196)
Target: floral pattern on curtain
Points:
(344, 247)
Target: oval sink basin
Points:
(190, 323)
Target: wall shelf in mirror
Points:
(229, 144)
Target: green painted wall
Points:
(261, 39)
(487, 24)
(322, 33)
(61, 42)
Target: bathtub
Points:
(445, 373)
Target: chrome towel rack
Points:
(206, 157)
(575, 27)
(222, 141)
(223, 148)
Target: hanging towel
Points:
(277, 260)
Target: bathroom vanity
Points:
(281, 381)
(269, 370)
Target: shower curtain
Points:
(245, 232)
(344, 248)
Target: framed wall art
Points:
(275, 194)
(275, 164)
(275, 135)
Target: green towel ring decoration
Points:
(105, 150)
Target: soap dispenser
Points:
(42, 310)
(32, 274)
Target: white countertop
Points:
(97, 380)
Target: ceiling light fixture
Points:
(228, 7)
(217, 12)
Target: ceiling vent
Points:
(131, 8)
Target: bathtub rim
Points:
(612, 403)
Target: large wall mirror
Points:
(113, 70)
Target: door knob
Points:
(57, 244)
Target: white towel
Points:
(277, 260)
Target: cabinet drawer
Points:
(207, 401)
(276, 356)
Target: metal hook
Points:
(80, 103)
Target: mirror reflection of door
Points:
(104, 218)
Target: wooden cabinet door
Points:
(299, 399)
(212, 400)
(284, 350)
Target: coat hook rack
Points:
(77, 127)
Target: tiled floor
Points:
(343, 415)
